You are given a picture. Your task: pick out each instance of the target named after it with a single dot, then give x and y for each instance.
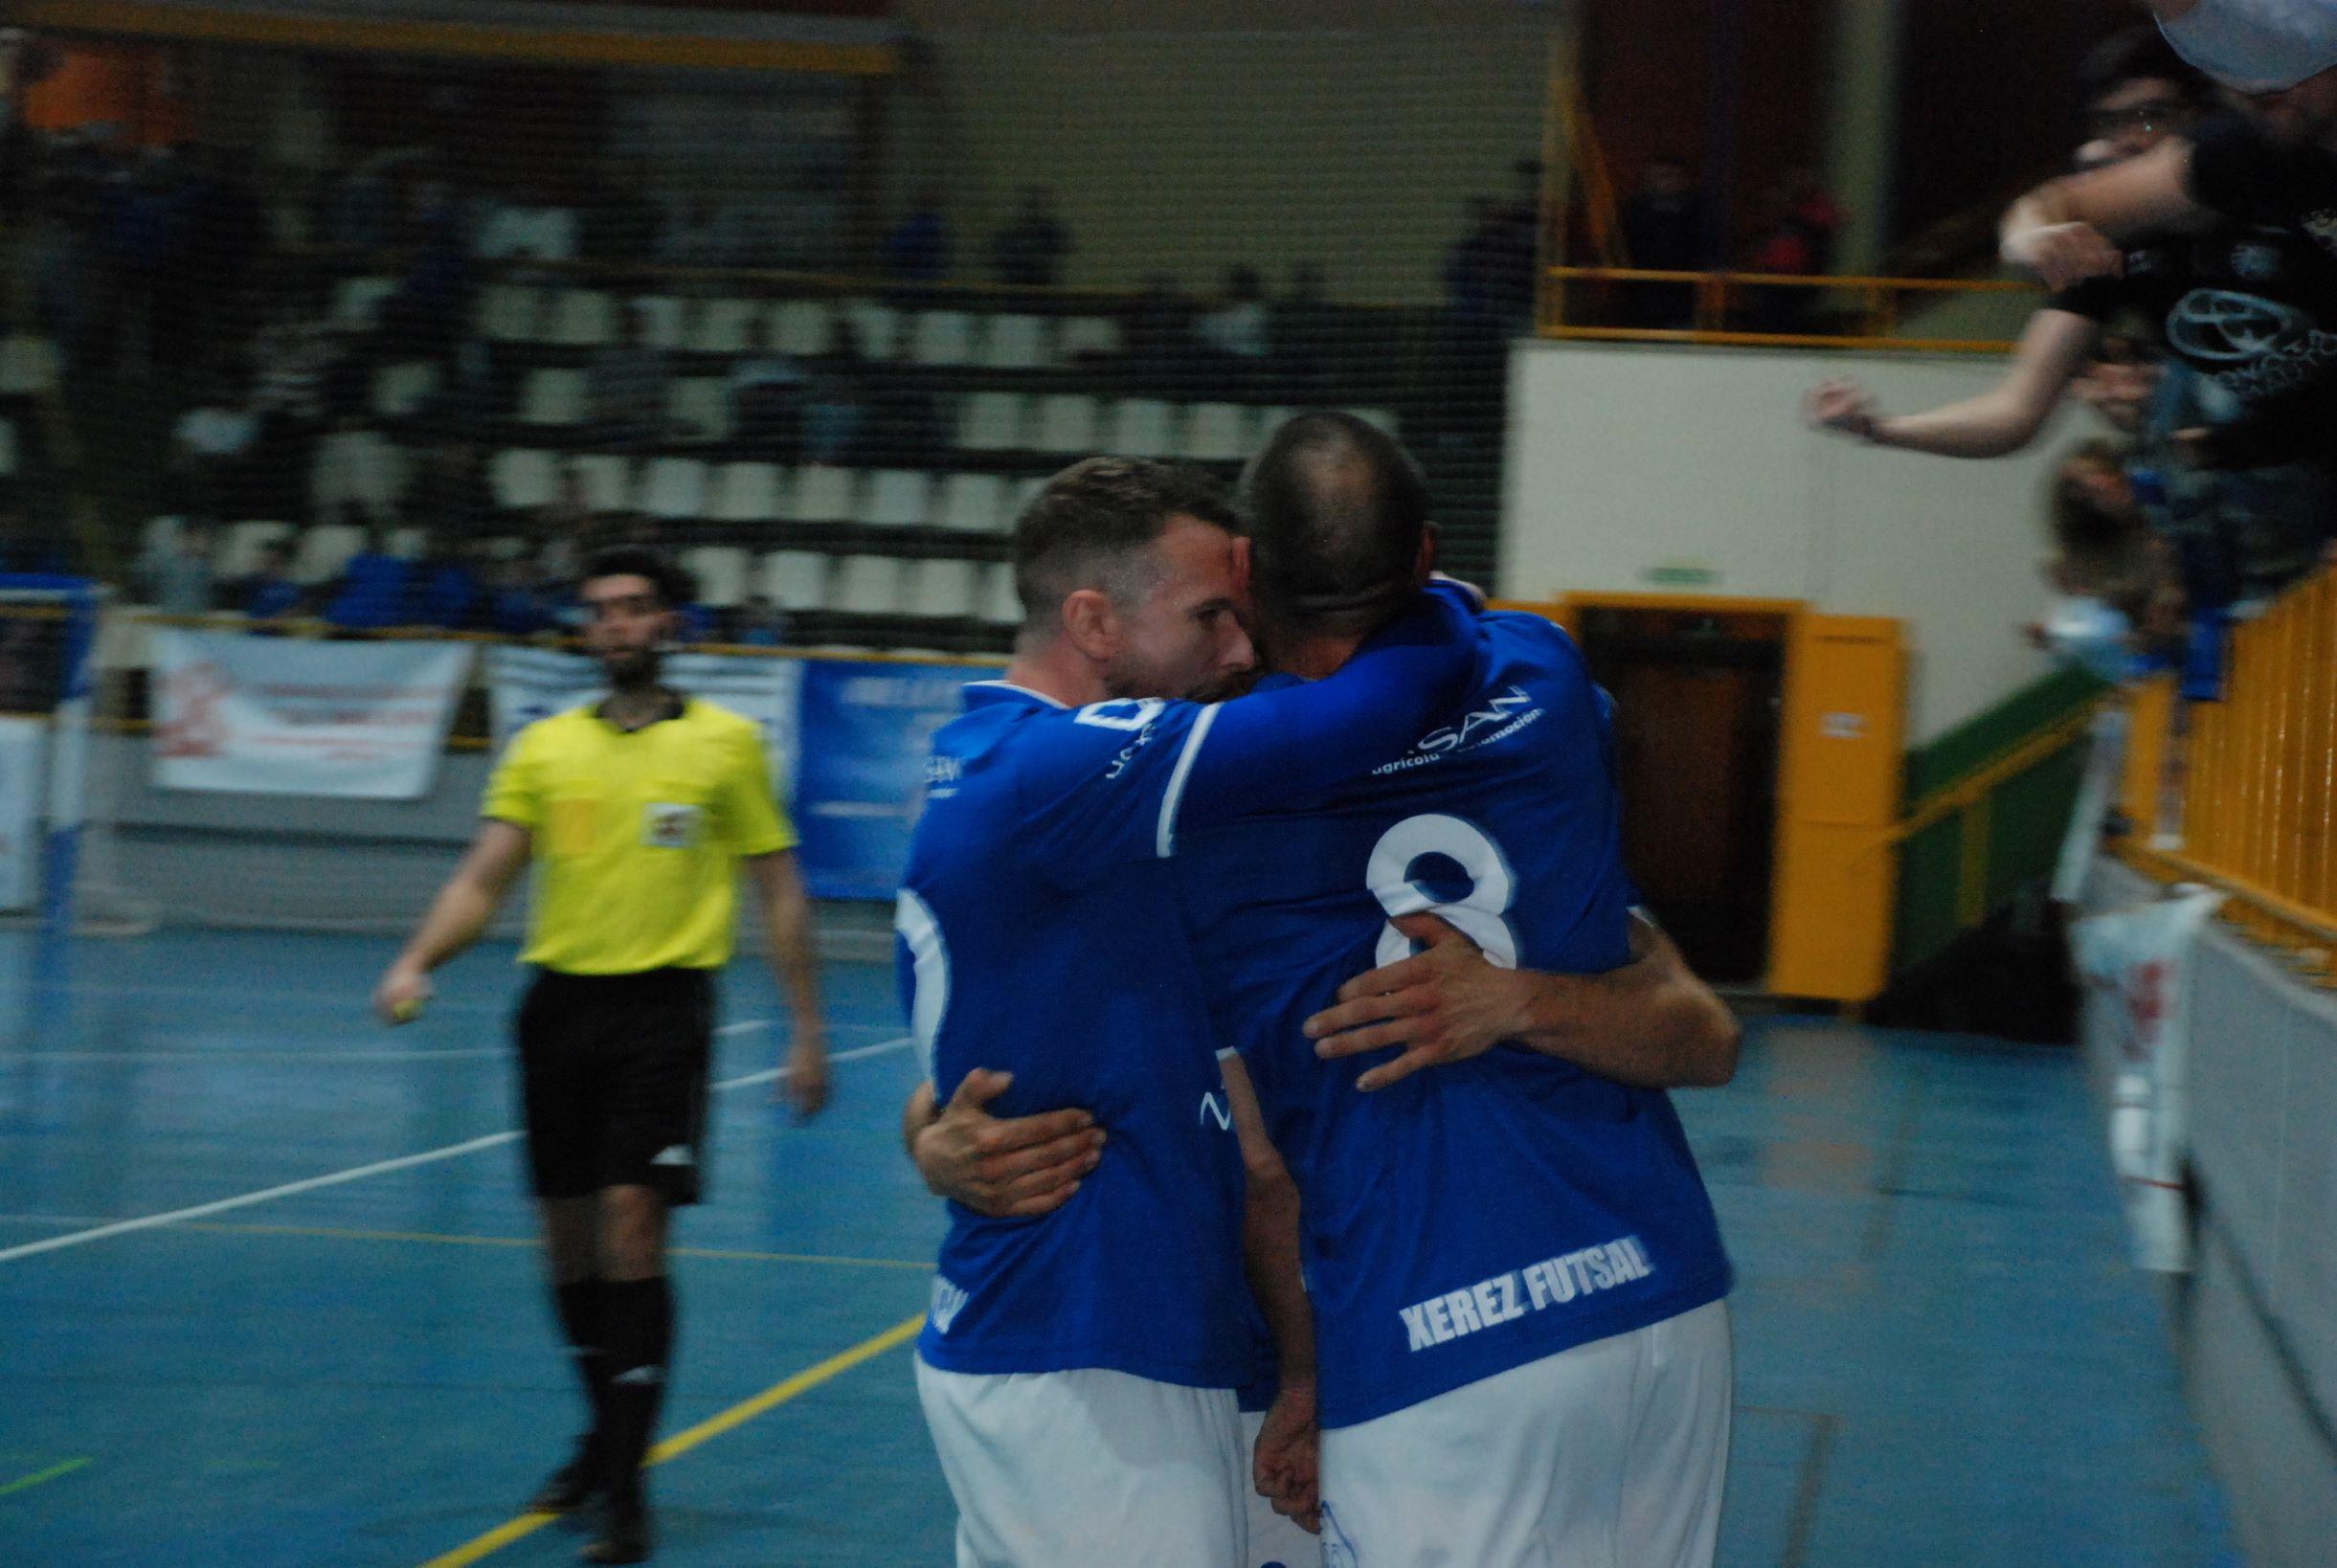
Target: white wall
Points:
(1627, 460)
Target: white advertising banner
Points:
(266, 715)
(23, 783)
(2137, 965)
(525, 684)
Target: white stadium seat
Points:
(805, 328)
(876, 329)
(823, 494)
(357, 302)
(356, 467)
(325, 552)
(721, 570)
(700, 406)
(1015, 343)
(1268, 422)
(992, 421)
(408, 543)
(237, 554)
(583, 318)
(28, 366)
(1214, 431)
(401, 389)
(8, 448)
(1143, 427)
(943, 337)
(510, 313)
(795, 579)
(897, 497)
(869, 585)
(523, 478)
(944, 589)
(1379, 417)
(552, 396)
(974, 503)
(664, 318)
(674, 488)
(1068, 424)
(746, 492)
(1078, 335)
(999, 605)
(608, 481)
(722, 325)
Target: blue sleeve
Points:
(1117, 779)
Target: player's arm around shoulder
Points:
(1651, 1024)
(1003, 1167)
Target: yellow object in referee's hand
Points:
(407, 1011)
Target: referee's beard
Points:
(634, 669)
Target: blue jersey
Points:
(1039, 936)
(1475, 1216)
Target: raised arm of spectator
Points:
(2072, 228)
(2003, 419)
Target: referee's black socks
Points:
(637, 1340)
(583, 1320)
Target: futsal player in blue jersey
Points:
(1518, 1281)
(1573, 1386)
(1078, 1371)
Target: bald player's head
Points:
(1338, 522)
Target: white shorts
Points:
(1069, 1470)
(1609, 1455)
(1274, 1541)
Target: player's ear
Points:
(1423, 563)
(1089, 622)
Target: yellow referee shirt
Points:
(638, 835)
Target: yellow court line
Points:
(441, 1239)
(26, 1483)
(682, 1443)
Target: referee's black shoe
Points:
(572, 1485)
(624, 1532)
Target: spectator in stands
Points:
(1236, 328)
(918, 248)
(446, 589)
(432, 306)
(141, 221)
(1160, 335)
(1794, 237)
(60, 261)
(1303, 333)
(174, 574)
(834, 404)
(2104, 550)
(626, 386)
(450, 490)
(212, 273)
(1029, 251)
(1664, 227)
(211, 448)
(565, 530)
(518, 601)
(374, 588)
(269, 593)
(759, 623)
(704, 233)
(766, 390)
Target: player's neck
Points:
(630, 708)
(1311, 658)
(1056, 670)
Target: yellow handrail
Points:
(2254, 776)
(1879, 314)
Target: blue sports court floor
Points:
(336, 1352)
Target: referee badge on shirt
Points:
(665, 825)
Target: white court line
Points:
(198, 1058)
(224, 1205)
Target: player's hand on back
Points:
(1841, 406)
(1443, 1004)
(400, 995)
(804, 1084)
(1007, 1168)
(1284, 1468)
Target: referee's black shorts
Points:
(613, 1081)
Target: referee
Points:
(636, 812)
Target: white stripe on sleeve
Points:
(1164, 842)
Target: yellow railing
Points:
(2240, 794)
(1717, 292)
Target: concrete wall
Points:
(1626, 460)
(2257, 1321)
(1189, 138)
